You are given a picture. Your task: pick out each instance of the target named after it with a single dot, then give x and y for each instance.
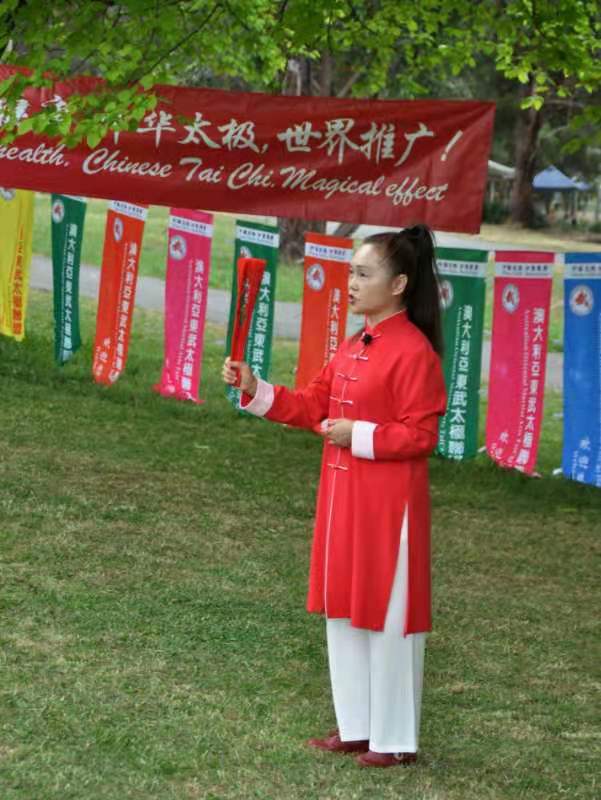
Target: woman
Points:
(378, 401)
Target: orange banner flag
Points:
(325, 303)
(120, 259)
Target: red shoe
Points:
(333, 744)
(371, 759)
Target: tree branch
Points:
(79, 65)
(176, 46)
(282, 10)
(349, 84)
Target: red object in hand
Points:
(250, 275)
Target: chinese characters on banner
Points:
(68, 215)
(120, 259)
(188, 262)
(462, 296)
(16, 232)
(325, 303)
(254, 240)
(522, 298)
(582, 368)
(372, 161)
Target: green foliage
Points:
(586, 127)
(131, 45)
(494, 212)
(553, 48)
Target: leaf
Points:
(26, 125)
(6, 84)
(146, 81)
(93, 138)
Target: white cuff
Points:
(262, 401)
(362, 445)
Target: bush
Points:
(539, 219)
(494, 212)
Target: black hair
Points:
(410, 252)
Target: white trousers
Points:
(377, 676)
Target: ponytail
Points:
(410, 252)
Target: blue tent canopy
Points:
(553, 180)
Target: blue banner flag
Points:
(582, 368)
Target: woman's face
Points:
(372, 288)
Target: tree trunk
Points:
(345, 229)
(292, 236)
(527, 130)
(298, 81)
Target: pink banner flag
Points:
(520, 329)
(186, 290)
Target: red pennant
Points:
(250, 275)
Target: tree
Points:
(553, 48)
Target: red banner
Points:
(516, 389)
(372, 161)
(250, 273)
(325, 303)
(186, 290)
(120, 259)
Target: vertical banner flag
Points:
(520, 329)
(462, 294)
(254, 240)
(16, 231)
(582, 368)
(250, 275)
(68, 215)
(325, 303)
(186, 291)
(120, 259)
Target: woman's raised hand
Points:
(232, 370)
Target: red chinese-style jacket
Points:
(393, 387)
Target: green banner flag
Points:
(462, 296)
(68, 214)
(256, 241)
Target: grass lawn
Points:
(154, 563)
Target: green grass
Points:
(154, 245)
(154, 644)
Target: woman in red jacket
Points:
(378, 401)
